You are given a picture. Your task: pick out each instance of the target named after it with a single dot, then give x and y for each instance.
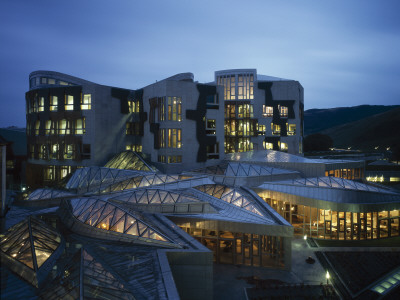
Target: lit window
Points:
(43, 80)
(49, 173)
(174, 109)
(86, 102)
(244, 144)
(268, 111)
(134, 147)
(161, 111)
(64, 127)
(37, 79)
(69, 151)
(245, 111)
(133, 106)
(51, 81)
(48, 127)
(174, 138)
(394, 179)
(54, 151)
(64, 171)
(37, 127)
(161, 158)
(261, 129)
(63, 83)
(291, 129)
(174, 159)
(69, 102)
(162, 138)
(283, 146)
(211, 126)
(53, 103)
(283, 111)
(41, 104)
(43, 154)
(268, 146)
(80, 126)
(276, 129)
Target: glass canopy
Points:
(30, 242)
(129, 160)
(107, 216)
(229, 195)
(154, 196)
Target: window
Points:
(230, 127)
(53, 103)
(213, 151)
(49, 173)
(37, 127)
(41, 104)
(261, 129)
(51, 81)
(245, 111)
(64, 126)
(174, 138)
(133, 128)
(48, 127)
(212, 100)
(268, 146)
(134, 147)
(276, 129)
(174, 159)
(267, 111)
(43, 152)
(237, 87)
(31, 151)
(244, 145)
(64, 171)
(43, 80)
(69, 151)
(63, 83)
(291, 129)
(86, 102)
(86, 151)
(161, 158)
(283, 111)
(55, 148)
(174, 109)
(161, 111)
(69, 102)
(80, 126)
(211, 126)
(230, 111)
(162, 138)
(283, 146)
(245, 86)
(245, 128)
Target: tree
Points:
(317, 142)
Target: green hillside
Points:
(317, 120)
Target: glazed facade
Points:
(176, 123)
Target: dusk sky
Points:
(344, 53)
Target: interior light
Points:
(305, 237)
(327, 276)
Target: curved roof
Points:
(41, 194)
(154, 196)
(129, 160)
(84, 277)
(107, 216)
(241, 170)
(229, 195)
(30, 242)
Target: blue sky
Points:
(344, 53)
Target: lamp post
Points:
(327, 277)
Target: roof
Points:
(277, 156)
(271, 78)
(129, 160)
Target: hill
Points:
(381, 130)
(317, 120)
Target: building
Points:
(176, 123)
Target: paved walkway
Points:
(227, 285)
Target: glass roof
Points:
(240, 169)
(90, 178)
(107, 216)
(129, 160)
(335, 182)
(142, 181)
(154, 196)
(85, 276)
(229, 195)
(30, 242)
(40, 194)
